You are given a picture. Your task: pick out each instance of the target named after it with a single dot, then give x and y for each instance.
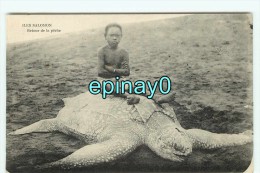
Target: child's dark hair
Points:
(112, 25)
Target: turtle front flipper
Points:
(106, 151)
(208, 140)
(47, 125)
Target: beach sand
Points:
(207, 56)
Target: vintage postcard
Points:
(129, 92)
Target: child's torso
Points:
(114, 57)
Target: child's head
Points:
(113, 34)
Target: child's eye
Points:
(114, 35)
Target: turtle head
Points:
(170, 143)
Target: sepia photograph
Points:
(129, 92)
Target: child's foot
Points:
(132, 99)
(166, 98)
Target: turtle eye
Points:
(177, 129)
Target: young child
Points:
(114, 61)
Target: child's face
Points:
(113, 36)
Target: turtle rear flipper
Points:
(47, 125)
(208, 140)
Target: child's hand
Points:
(124, 65)
(109, 68)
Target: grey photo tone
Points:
(55, 125)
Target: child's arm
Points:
(124, 70)
(102, 71)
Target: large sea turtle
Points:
(112, 129)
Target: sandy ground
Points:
(209, 58)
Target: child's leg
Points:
(166, 98)
(131, 99)
(162, 99)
